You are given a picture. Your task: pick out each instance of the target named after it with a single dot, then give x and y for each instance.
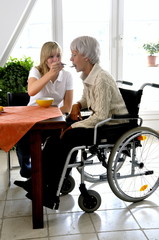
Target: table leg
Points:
(37, 196)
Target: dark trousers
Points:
(56, 150)
(23, 154)
(23, 151)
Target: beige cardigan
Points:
(102, 96)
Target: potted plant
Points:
(151, 48)
(13, 77)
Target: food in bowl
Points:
(45, 101)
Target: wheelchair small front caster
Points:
(68, 185)
(91, 202)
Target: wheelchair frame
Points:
(131, 168)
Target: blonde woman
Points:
(48, 79)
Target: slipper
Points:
(48, 201)
(26, 185)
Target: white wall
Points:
(13, 14)
(150, 119)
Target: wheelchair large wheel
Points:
(137, 154)
(68, 185)
(89, 203)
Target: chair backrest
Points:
(132, 99)
(17, 99)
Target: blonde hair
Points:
(46, 51)
(88, 47)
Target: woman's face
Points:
(78, 61)
(54, 57)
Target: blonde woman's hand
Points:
(55, 68)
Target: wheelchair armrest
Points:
(124, 116)
(113, 118)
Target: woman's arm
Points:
(35, 85)
(67, 102)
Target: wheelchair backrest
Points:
(132, 99)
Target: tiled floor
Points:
(114, 219)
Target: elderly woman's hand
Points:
(64, 130)
(75, 112)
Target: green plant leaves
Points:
(151, 48)
(13, 77)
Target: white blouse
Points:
(55, 90)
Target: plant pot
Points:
(152, 61)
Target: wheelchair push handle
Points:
(155, 85)
(125, 82)
(142, 86)
(149, 84)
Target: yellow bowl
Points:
(44, 102)
(1, 109)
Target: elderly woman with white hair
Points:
(101, 95)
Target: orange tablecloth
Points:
(16, 121)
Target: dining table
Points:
(15, 122)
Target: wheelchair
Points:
(128, 159)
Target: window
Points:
(141, 24)
(37, 30)
(91, 18)
(132, 24)
(141, 21)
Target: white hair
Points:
(88, 47)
